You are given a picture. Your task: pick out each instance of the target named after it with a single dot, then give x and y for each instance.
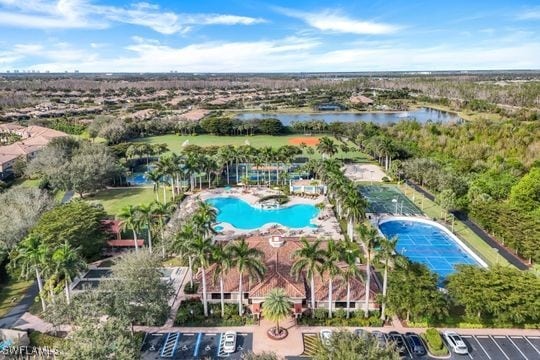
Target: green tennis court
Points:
(388, 199)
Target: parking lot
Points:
(495, 347)
(192, 345)
(481, 347)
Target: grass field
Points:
(174, 142)
(113, 200)
(479, 246)
(11, 294)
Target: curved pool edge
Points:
(437, 225)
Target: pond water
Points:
(422, 115)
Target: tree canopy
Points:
(77, 223)
(345, 345)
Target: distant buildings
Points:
(360, 100)
(34, 138)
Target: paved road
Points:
(512, 259)
(18, 310)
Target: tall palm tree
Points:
(327, 147)
(354, 208)
(387, 254)
(309, 259)
(330, 267)
(31, 255)
(131, 219)
(248, 261)
(146, 213)
(350, 255)
(155, 177)
(222, 264)
(226, 155)
(205, 216)
(277, 307)
(68, 264)
(370, 238)
(182, 245)
(162, 212)
(201, 248)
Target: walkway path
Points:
(18, 310)
(504, 252)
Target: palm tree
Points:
(331, 268)
(31, 255)
(201, 248)
(370, 238)
(182, 245)
(386, 253)
(309, 259)
(246, 260)
(222, 265)
(205, 216)
(226, 155)
(277, 307)
(354, 208)
(155, 177)
(146, 213)
(350, 255)
(327, 147)
(131, 219)
(68, 264)
(162, 211)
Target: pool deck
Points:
(326, 223)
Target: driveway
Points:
(9, 320)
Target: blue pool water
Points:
(243, 216)
(427, 244)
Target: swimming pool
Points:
(430, 244)
(242, 215)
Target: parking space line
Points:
(529, 341)
(517, 347)
(484, 350)
(500, 348)
(198, 343)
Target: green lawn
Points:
(11, 294)
(113, 200)
(479, 246)
(174, 142)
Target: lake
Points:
(422, 115)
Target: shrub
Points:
(434, 342)
(280, 198)
(43, 340)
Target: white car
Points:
(456, 343)
(229, 342)
(325, 336)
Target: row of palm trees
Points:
(194, 242)
(152, 217)
(196, 165)
(59, 265)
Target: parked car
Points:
(456, 343)
(398, 339)
(381, 337)
(229, 343)
(325, 336)
(361, 333)
(415, 343)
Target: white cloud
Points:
(291, 54)
(66, 14)
(334, 21)
(530, 14)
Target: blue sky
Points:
(268, 36)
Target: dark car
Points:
(415, 343)
(381, 337)
(398, 339)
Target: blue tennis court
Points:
(427, 244)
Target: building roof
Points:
(278, 262)
(125, 243)
(360, 99)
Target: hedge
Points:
(434, 342)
